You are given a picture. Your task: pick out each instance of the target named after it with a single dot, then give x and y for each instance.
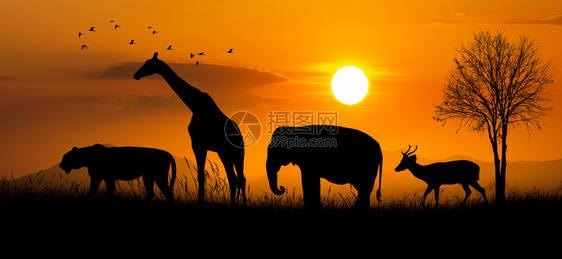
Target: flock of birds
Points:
(132, 42)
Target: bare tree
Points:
(494, 86)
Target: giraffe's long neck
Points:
(187, 93)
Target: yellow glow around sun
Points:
(350, 85)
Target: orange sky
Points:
(54, 96)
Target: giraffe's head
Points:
(150, 67)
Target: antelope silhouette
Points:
(462, 172)
(210, 130)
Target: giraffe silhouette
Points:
(209, 129)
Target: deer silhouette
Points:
(209, 129)
(462, 172)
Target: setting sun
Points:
(350, 85)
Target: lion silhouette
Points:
(123, 163)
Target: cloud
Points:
(151, 103)
(128, 104)
(205, 75)
(123, 71)
(224, 83)
(225, 76)
(487, 18)
(550, 20)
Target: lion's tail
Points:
(173, 179)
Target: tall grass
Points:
(29, 189)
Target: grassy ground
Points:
(529, 216)
(131, 193)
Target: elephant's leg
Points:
(311, 190)
(363, 196)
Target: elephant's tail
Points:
(380, 181)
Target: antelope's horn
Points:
(412, 151)
(409, 147)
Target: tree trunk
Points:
(500, 189)
(500, 178)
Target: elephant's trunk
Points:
(272, 177)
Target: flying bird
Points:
(230, 51)
(191, 55)
(154, 32)
(80, 34)
(117, 26)
(92, 29)
(149, 27)
(201, 53)
(111, 21)
(84, 47)
(132, 42)
(197, 63)
(169, 47)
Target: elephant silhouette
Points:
(338, 154)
